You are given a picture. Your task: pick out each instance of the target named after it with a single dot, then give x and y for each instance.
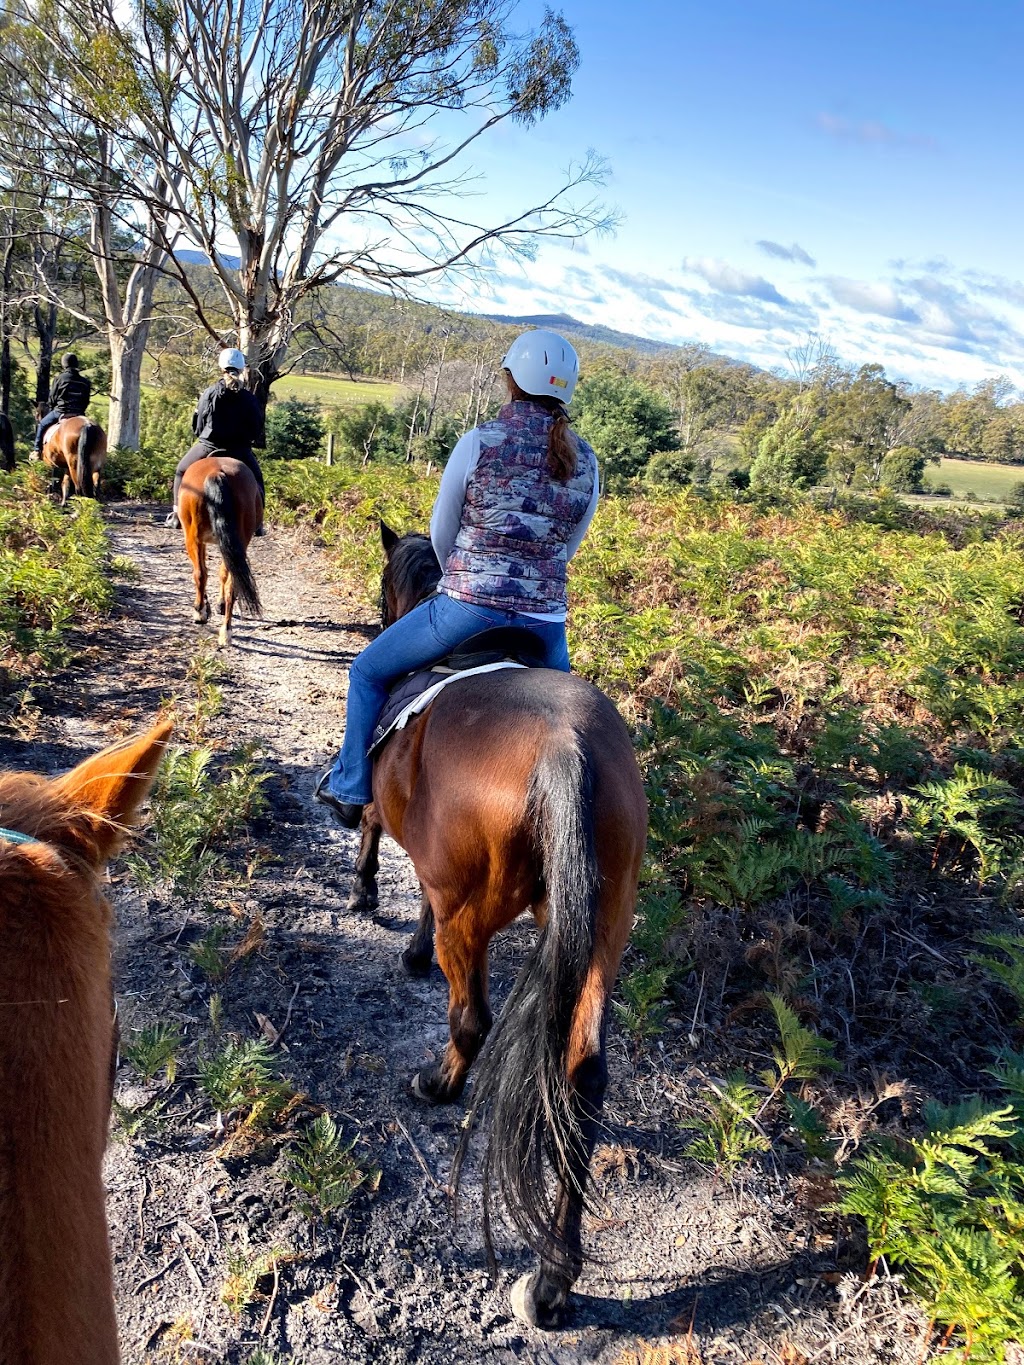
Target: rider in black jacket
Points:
(228, 420)
(69, 397)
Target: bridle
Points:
(13, 836)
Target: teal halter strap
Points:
(14, 837)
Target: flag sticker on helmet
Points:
(540, 361)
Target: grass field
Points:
(984, 480)
(333, 392)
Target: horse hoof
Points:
(361, 900)
(429, 1086)
(523, 1299)
(416, 964)
(425, 1089)
(526, 1308)
(220, 608)
(198, 619)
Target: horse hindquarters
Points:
(87, 449)
(226, 525)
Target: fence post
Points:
(330, 448)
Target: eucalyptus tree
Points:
(83, 203)
(306, 142)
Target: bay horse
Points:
(515, 790)
(219, 503)
(76, 450)
(57, 1044)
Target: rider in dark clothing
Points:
(228, 420)
(69, 397)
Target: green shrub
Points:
(295, 430)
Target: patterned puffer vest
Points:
(516, 519)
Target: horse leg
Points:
(227, 603)
(419, 955)
(66, 486)
(363, 895)
(464, 963)
(197, 554)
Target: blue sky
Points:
(854, 170)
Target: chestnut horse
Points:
(516, 790)
(75, 449)
(219, 503)
(57, 1050)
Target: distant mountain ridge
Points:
(201, 258)
(589, 331)
(558, 322)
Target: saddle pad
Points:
(419, 703)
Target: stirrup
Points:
(347, 813)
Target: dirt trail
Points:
(394, 1279)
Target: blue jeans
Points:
(50, 420)
(421, 637)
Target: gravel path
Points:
(739, 1268)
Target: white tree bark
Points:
(299, 134)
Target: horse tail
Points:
(224, 514)
(528, 1078)
(88, 440)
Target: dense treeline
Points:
(678, 416)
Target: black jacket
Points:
(70, 394)
(228, 418)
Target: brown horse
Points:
(76, 449)
(56, 1051)
(516, 790)
(220, 504)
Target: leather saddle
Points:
(499, 644)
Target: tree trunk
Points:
(5, 326)
(264, 349)
(126, 351)
(45, 319)
(5, 372)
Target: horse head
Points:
(57, 1041)
(411, 573)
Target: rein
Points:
(13, 836)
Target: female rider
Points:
(515, 501)
(228, 420)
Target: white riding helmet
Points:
(542, 362)
(231, 359)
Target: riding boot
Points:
(347, 814)
(172, 520)
(261, 530)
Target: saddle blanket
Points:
(390, 722)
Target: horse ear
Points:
(110, 787)
(388, 538)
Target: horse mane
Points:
(32, 806)
(411, 572)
